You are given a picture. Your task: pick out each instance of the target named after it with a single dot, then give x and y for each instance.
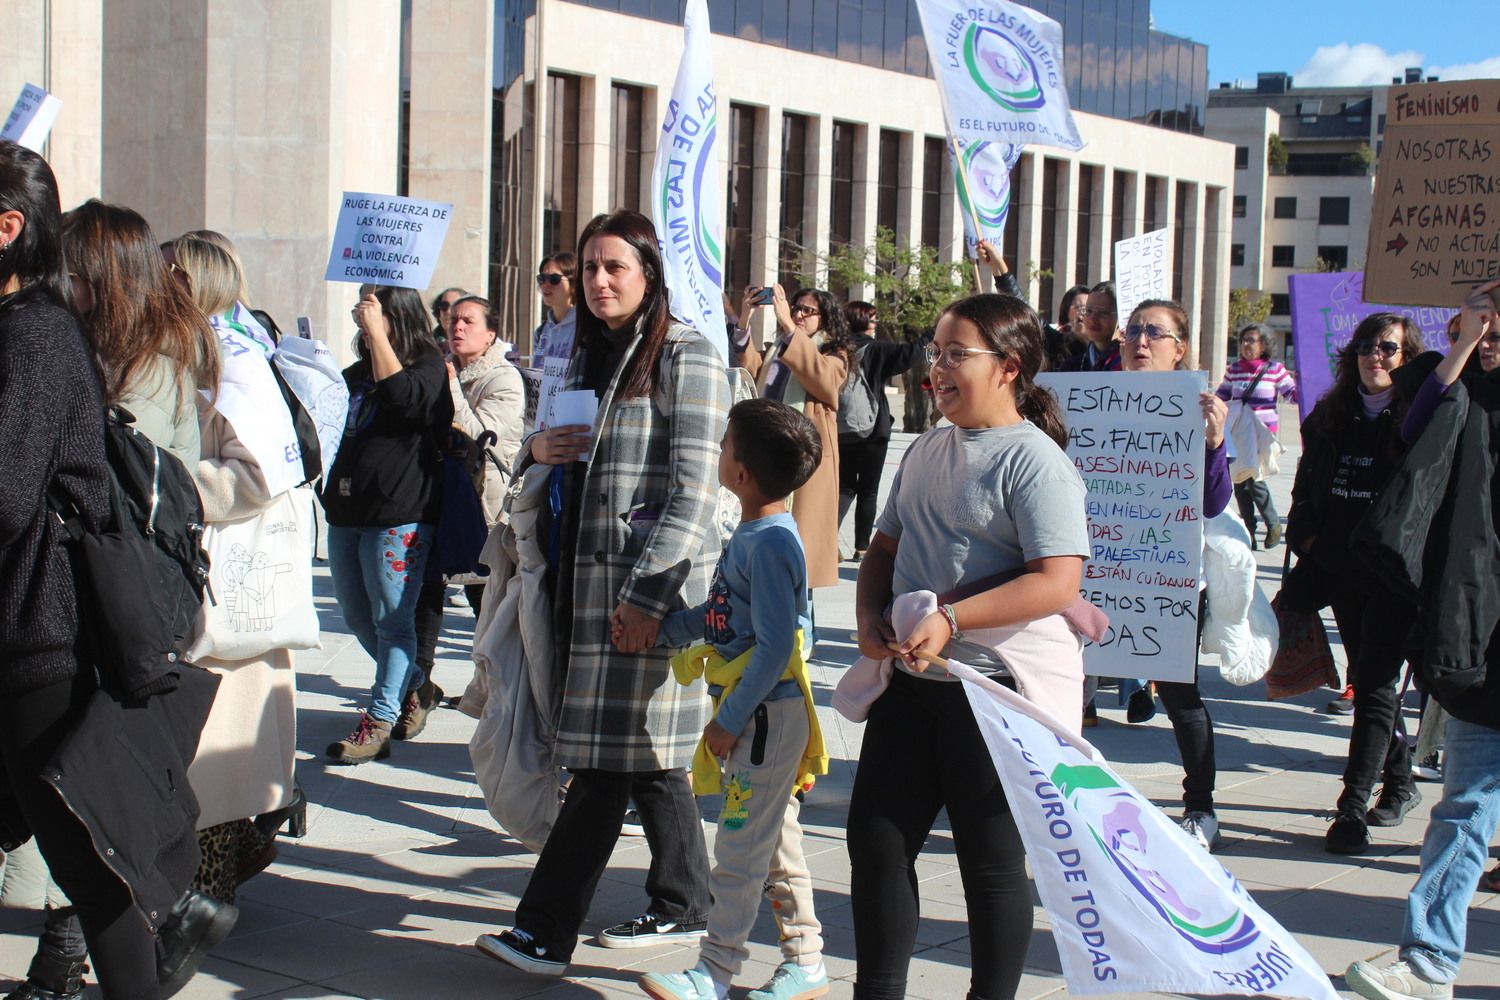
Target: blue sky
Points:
(1338, 42)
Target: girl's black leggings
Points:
(923, 752)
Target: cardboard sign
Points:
(31, 118)
(1137, 440)
(1435, 227)
(1326, 309)
(1142, 271)
(385, 240)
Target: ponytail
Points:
(1039, 406)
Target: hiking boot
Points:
(1202, 827)
(648, 930)
(518, 948)
(1429, 768)
(1393, 804)
(791, 981)
(371, 740)
(1343, 704)
(414, 712)
(1397, 981)
(1349, 834)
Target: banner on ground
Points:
(1137, 440)
(999, 69)
(31, 118)
(1136, 904)
(1435, 227)
(1326, 308)
(981, 175)
(387, 240)
(687, 188)
(1143, 271)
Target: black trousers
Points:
(860, 465)
(430, 626)
(1254, 495)
(578, 849)
(1194, 729)
(33, 725)
(1373, 629)
(923, 752)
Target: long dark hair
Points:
(1341, 404)
(34, 258)
(1067, 302)
(653, 317)
(411, 337)
(1013, 330)
(834, 326)
(139, 311)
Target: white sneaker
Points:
(1397, 981)
(1202, 827)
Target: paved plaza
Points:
(402, 866)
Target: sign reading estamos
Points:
(1435, 227)
(387, 240)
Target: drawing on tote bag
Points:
(250, 597)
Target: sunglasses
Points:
(805, 311)
(1387, 348)
(1152, 332)
(549, 279)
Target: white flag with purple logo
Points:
(981, 175)
(1136, 904)
(687, 188)
(999, 68)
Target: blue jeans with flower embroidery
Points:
(377, 576)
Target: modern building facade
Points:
(532, 115)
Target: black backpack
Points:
(142, 576)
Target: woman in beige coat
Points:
(806, 368)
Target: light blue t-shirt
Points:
(758, 598)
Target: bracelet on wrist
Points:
(948, 614)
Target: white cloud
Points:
(1364, 64)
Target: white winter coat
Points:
(1240, 625)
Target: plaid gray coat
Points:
(646, 536)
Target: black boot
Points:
(196, 925)
(58, 967)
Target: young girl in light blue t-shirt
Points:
(992, 497)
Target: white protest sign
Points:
(1137, 440)
(575, 407)
(554, 356)
(386, 240)
(31, 118)
(1142, 272)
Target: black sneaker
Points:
(648, 930)
(1348, 834)
(518, 948)
(1393, 804)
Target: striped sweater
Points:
(1276, 381)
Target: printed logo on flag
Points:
(987, 193)
(1003, 69)
(707, 250)
(1114, 819)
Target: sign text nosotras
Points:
(1435, 226)
(1137, 441)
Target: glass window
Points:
(667, 10)
(825, 15)
(1151, 218)
(560, 206)
(872, 34)
(1155, 73)
(1242, 157)
(794, 132)
(1283, 255)
(800, 26)
(851, 30)
(1140, 75)
(640, 8)
(1179, 236)
(774, 21)
(894, 56)
(1236, 254)
(1281, 304)
(1284, 208)
(1083, 244)
(747, 20)
(1238, 209)
(1071, 18)
(1117, 211)
(740, 204)
(1335, 257)
(888, 183)
(625, 150)
(934, 162)
(1051, 176)
(1019, 175)
(841, 200)
(1333, 211)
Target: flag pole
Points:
(963, 178)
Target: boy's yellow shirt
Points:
(704, 661)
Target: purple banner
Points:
(1325, 310)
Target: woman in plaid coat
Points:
(631, 538)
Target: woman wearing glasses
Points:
(1351, 443)
(806, 369)
(554, 280)
(1156, 340)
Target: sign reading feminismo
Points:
(1326, 309)
(1000, 72)
(1137, 440)
(687, 188)
(387, 240)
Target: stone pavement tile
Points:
(1336, 928)
(1293, 857)
(425, 972)
(942, 924)
(316, 952)
(220, 977)
(326, 892)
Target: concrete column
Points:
(449, 135)
(819, 198)
(1135, 209)
(866, 197)
(1192, 270)
(765, 232)
(909, 192)
(1029, 225)
(1101, 255)
(653, 112)
(1064, 261)
(595, 146)
(951, 232)
(1217, 231)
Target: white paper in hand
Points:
(576, 406)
